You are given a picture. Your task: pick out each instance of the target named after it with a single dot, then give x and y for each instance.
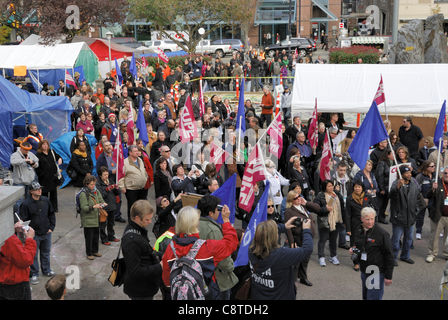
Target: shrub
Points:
(352, 54)
(174, 61)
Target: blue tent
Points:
(18, 108)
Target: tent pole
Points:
(38, 82)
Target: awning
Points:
(369, 40)
(331, 15)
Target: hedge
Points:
(351, 54)
(173, 61)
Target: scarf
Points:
(82, 154)
(168, 175)
(335, 215)
(358, 198)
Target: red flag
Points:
(218, 155)
(130, 127)
(379, 96)
(255, 171)
(69, 80)
(187, 124)
(312, 132)
(201, 99)
(275, 132)
(118, 155)
(144, 62)
(325, 160)
(162, 56)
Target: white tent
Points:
(59, 56)
(409, 88)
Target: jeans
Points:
(43, 243)
(373, 293)
(275, 81)
(407, 233)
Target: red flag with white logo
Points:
(325, 160)
(276, 140)
(255, 171)
(379, 96)
(118, 156)
(69, 80)
(218, 155)
(187, 124)
(312, 132)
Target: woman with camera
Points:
(91, 202)
(272, 272)
(108, 191)
(329, 218)
(355, 202)
(297, 206)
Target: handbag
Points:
(243, 292)
(103, 213)
(59, 173)
(118, 266)
(71, 172)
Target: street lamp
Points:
(109, 36)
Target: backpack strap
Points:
(193, 251)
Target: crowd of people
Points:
(342, 206)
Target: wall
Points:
(8, 197)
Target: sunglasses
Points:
(270, 206)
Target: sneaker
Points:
(429, 259)
(49, 274)
(322, 262)
(418, 236)
(334, 260)
(34, 280)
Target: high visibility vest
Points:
(166, 235)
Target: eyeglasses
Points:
(296, 198)
(270, 206)
(431, 166)
(445, 173)
(166, 151)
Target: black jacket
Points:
(143, 269)
(353, 210)
(161, 185)
(404, 203)
(437, 198)
(376, 243)
(41, 214)
(165, 216)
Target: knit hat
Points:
(111, 115)
(159, 201)
(404, 168)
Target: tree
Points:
(4, 34)
(55, 18)
(184, 15)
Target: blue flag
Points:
(119, 75)
(260, 214)
(371, 131)
(438, 134)
(241, 116)
(141, 125)
(227, 194)
(133, 67)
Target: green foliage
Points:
(174, 61)
(4, 34)
(351, 54)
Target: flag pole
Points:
(385, 107)
(438, 160)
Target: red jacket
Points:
(16, 259)
(210, 254)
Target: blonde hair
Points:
(290, 198)
(265, 239)
(141, 208)
(187, 220)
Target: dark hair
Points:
(175, 167)
(88, 179)
(159, 162)
(325, 183)
(359, 183)
(101, 170)
(208, 203)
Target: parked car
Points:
(236, 44)
(165, 45)
(303, 46)
(313, 43)
(216, 47)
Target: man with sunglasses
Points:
(438, 215)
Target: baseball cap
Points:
(35, 186)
